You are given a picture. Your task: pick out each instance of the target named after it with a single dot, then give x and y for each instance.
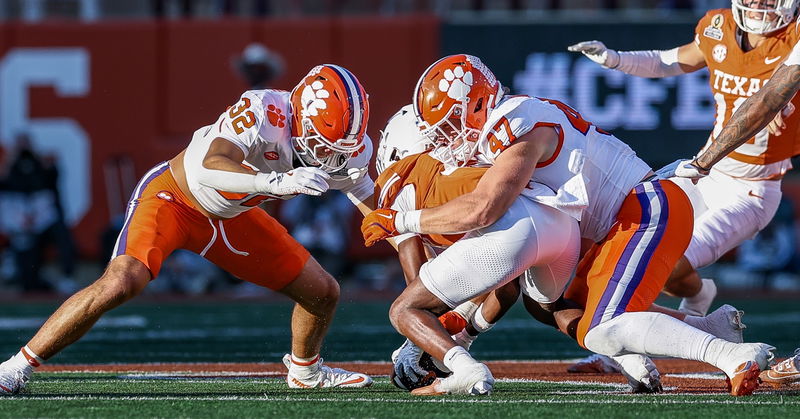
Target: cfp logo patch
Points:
(714, 30)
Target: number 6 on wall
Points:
(67, 71)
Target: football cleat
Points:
(700, 303)
(783, 373)
(595, 363)
(407, 372)
(747, 360)
(641, 372)
(12, 379)
(474, 380)
(724, 323)
(317, 375)
(453, 322)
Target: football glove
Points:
(597, 52)
(378, 225)
(302, 180)
(682, 168)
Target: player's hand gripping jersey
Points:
(591, 171)
(735, 75)
(417, 182)
(259, 125)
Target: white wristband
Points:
(408, 221)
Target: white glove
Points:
(406, 361)
(681, 168)
(597, 52)
(302, 180)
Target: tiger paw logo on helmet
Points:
(456, 83)
(276, 116)
(313, 98)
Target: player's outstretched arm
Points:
(652, 64)
(753, 115)
(222, 169)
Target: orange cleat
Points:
(453, 322)
(783, 373)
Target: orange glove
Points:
(378, 225)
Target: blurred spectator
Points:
(33, 218)
(773, 249)
(258, 66)
(322, 225)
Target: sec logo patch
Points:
(719, 53)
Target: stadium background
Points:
(108, 89)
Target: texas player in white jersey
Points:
(270, 144)
(741, 46)
(619, 277)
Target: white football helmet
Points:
(399, 139)
(763, 16)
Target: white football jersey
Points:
(591, 171)
(259, 125)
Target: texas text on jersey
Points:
(735, 75)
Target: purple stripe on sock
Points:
(619, 270)
(134, 202)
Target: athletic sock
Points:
(26, 359)
(466, 310)
(304, 368)
(648, 333)
(457, 358)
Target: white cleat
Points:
(641, 372)
(322, 376)
(12, 379)
(700, 303)
(724, 323)
(474, 380)
(595, 363)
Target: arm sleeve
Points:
(652, 64)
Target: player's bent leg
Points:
(124, 278)
(316, 294)
(413, 314)
(660, 335)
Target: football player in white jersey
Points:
(741, 46)
(753, 115)
(640, 226)
(271, 144)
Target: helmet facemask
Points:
(314, 150)
(454, 141)
(775, 15)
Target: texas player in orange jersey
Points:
(741, 47)
(408, 180)
(270, 145)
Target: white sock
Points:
(304, 367)
(26, 359)
(466, 310)
(464, 339)
(479, 322)
(458, 358)
(719, 350)
(647, 333)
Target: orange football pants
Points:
(628, 269)
(251, 246)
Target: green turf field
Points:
(247, 331)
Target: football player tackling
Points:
(269, 145)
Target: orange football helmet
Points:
(330, 112)
(452, 101)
